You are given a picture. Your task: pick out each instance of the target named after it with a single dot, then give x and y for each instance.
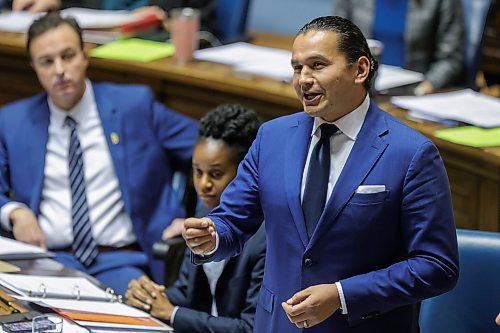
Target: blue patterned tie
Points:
(318, 174)
(84, 245)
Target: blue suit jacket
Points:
(154, 141)
(236, 293)
(388, 249)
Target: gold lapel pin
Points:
(115, 139)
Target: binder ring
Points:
(42, 289)
(77, 292)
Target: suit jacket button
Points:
(308, 262)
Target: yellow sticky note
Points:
(134, 49)
(471, 136)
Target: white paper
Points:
(60, 285)
(86, 18)
(465, 106)
(392, 76)
(10, 246)
(111, 308)
(114, 327)
(17, 21)
(96, 18)
(252, 59)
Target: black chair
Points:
(172, 250)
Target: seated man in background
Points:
(217, 297)
(424, 36)
(86, 168)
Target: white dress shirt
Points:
(110, 225)
(341, 144)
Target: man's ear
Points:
(363, 70)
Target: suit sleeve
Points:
(239, 215)
(430, 264)
(4, 166)
(341, 8)
(449, 52)
(176, 133)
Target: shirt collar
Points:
(350, 124)
(79, 112)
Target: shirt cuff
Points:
(172, 316)
(208, 254)
(343, 305)
(5, 212)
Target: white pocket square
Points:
(368, 189)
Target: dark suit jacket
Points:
(434, 35)
(236, 292)
(154, 142)
(389, 249)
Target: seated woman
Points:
(219, 296)
(424, 36)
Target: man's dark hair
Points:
(50, 21)
(234, 124)
(351, 41)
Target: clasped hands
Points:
(149, 296)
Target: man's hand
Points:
(174, 229)
(424, 88)
(312, 305)
(25, 227)
(147, 295)
(36, 6)
(199, 235)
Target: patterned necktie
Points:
(318, 174)
(84, 245)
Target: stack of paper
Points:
(465, 106)
(12, 250)
(391, 77)
(252, 59)
(86, 18)
(78, 299)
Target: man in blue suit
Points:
(97, 153)
(356, 250)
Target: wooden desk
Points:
(195, 88)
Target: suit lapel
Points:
(37, 141)
(111, 120)
(365, 153)
(295, 159)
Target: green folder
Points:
(471, 136)
(134, 49)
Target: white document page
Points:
(111, 308)
(86, 18)
(252, 59)
(52, 286)
(17, 21)
(392, 76)
(9, 246)
(96, 18)
(465, 106)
